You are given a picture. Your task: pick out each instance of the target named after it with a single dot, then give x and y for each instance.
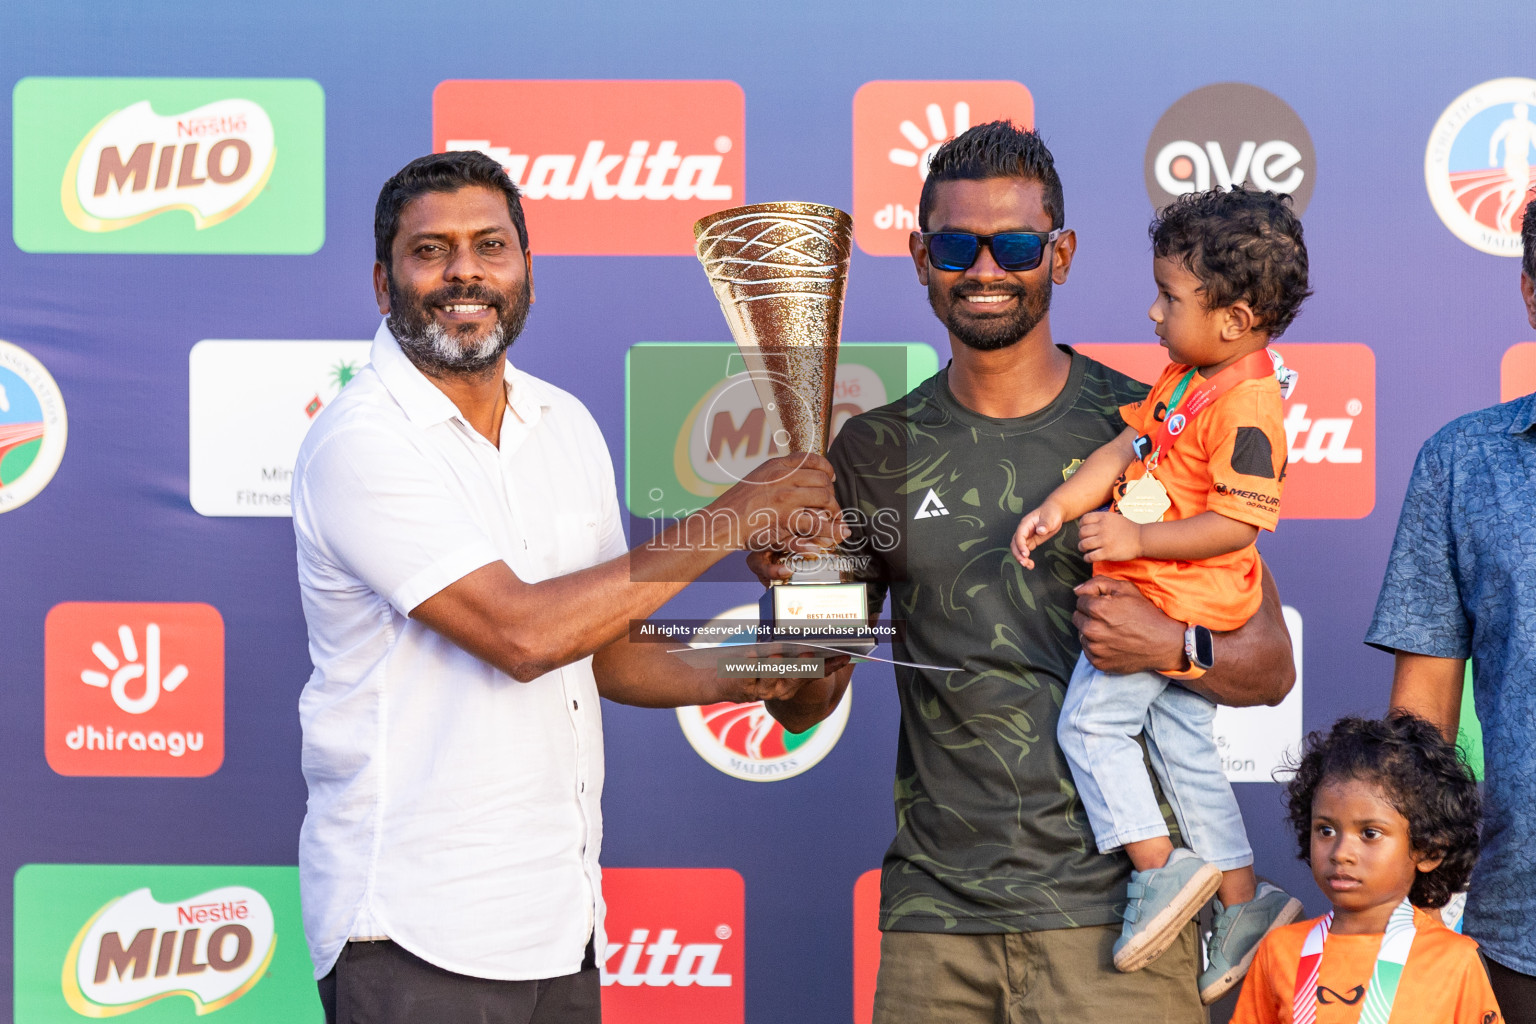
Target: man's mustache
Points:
(965, 288)
(465, 293)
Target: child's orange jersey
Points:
(1230, 459)
(1443, 981)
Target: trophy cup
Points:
(779, 271)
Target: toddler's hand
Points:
(1108, 537)
(1035, 529)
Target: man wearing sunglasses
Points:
(994, 903)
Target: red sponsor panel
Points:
(866, 945)
(675, 946)
(134, 688)
(896, 128)
(1517, 371)
(606, 168)
(1330, 423)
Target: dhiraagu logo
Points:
(694, 423)
(160, 944)
(163, 165)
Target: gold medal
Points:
(1145, 500)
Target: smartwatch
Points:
(1199, 650)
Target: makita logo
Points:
(675, 952)
(635, 174)
(1329, 422)
(1324, 439)
(666, 962)
(616, 168)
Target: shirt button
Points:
(575, 706)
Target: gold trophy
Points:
(779, 271)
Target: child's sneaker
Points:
(1236, 934)
(1162, 902)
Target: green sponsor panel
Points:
(1469, 735)
(168, 165)
(693, 423)
(158, 944)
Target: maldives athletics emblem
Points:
(745, 742)
(1480, 165)
(33, 427)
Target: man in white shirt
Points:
(469, 596)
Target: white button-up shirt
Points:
(451, 808)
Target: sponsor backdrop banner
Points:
(185, 285)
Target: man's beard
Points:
(988, 334)
(440, 351)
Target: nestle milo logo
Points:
(161, 943)
(696, 423)
(210, 162)
(212, 949)
(169, 165)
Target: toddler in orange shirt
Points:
(1192, 479)
(1386, 814)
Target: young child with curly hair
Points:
(1192, 479)
(1386, 814)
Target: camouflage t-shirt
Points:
(990, 834)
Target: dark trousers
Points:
(380, 983)
(1515, 992)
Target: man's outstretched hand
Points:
(776, 688)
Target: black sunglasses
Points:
(1013, 250)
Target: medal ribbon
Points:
(1382, 991)
(1254, 366)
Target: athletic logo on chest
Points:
(930, 507)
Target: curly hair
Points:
(997, 149)
(1243, 245)
(1421, 775)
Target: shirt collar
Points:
(1524, 414)
(425, 405)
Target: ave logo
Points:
(169, 165)
(676, 951)
(1330, 423)
(897, 127)
(606, 168)
(1230, 134)
(134, 689)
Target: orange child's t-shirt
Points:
(1230, 459)
(1443, 981)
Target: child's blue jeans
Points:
(1097, 731)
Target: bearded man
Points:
(468, 597)
(994, 902)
